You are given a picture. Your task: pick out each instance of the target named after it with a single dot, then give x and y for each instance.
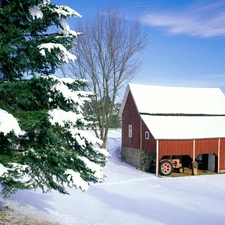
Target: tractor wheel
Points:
(181, 170)
(165, 168)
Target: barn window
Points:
(130, 130)
(146, 135)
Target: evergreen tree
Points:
(34, 37)
(52, 149)
(43, 142)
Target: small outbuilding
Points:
(161, 122)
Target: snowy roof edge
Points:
(124, 101)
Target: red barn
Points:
(169, 122)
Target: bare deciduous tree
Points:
(107, 57)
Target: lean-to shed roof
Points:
(185, 127)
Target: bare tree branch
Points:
(107, 58)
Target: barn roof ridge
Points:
(181, 114)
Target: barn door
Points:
(211, 162)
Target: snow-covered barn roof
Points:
(177, 100)
(180, 112)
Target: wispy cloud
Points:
(218, 77)
(201, 20)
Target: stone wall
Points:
(140, 159)
(131, 156)
(146, 158)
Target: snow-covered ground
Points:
(131, 197)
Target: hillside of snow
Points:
(131, 197)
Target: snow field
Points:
(131, 197)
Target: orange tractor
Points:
(167, 166)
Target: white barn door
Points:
(211, 162)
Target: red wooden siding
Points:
(148, 144)
(206, 146)
(175, 147)
(130, 116)
(222, 154)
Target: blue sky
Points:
(186, 39)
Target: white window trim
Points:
(146, 135)
(130, 131)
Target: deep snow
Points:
(131, 197)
